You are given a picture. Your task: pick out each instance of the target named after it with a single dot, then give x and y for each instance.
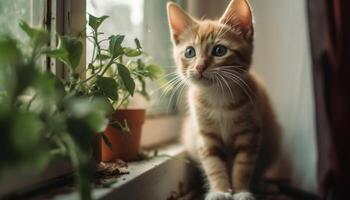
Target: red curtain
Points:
(329, 25)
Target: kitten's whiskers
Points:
(227, 85)
(241, 83)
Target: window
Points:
(147, 22)
(11, 11)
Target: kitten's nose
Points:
(200, 68)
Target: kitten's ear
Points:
(239, 15)
(178, 19)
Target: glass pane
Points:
(125, 17)
(146, 20)
(12, 11)
(158, 44)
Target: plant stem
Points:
(123, 100)
(107, 67)
(94, 58)
(30, 102)
(95, 37)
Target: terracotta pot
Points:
(125, 146)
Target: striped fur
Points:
(231, 129)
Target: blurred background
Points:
(301, 48)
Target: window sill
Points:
(156, 131)
(157, 178)
(168, 176)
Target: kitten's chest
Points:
(223, 119)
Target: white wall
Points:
(282, 58)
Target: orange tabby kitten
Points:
(232, 130)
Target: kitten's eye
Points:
(190, 52)
(219, 50)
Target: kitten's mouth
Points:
(201, 77)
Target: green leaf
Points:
(75, 49)
(143, 91)
(82, 107)
(82, 163)
(132, 52)
(128, 82)
(26, 74)
(9, 51)
(88, 114)
(115, 42)
(108, 86)
(69, 51)
(97, 121)
(26, 131)
(60, 52)
(137, 42)
(38, 36)
(47, 92)
(154, 71)
(105, 100)
(31, 32)
(95, 22)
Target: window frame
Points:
(65, 17)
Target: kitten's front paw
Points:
(219, 196)
(243, 196)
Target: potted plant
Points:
(43, 117)
(116, 73)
